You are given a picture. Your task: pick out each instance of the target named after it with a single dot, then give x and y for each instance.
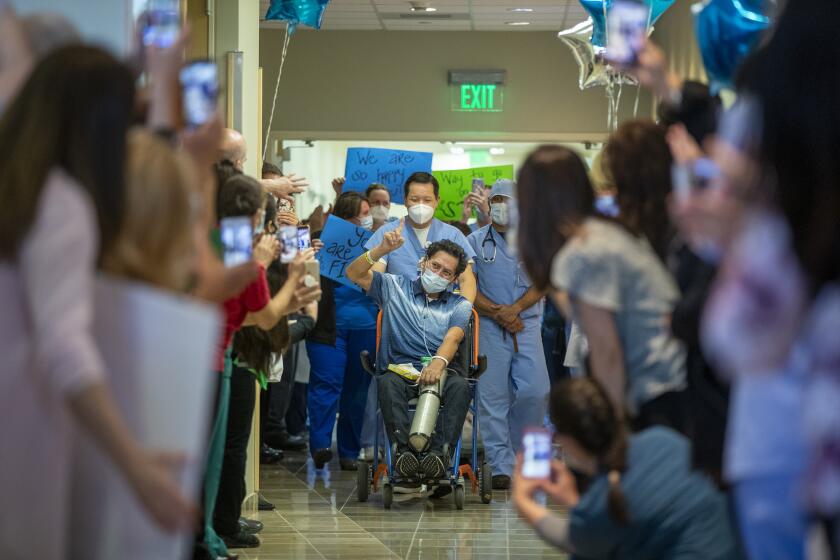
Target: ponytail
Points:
(616, 464)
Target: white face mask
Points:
(366, 222)
(421, 213)
(499, 213)
(379, 213)
(432, 283)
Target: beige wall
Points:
(383, 85)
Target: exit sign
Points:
(477, 98)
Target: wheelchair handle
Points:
(364, 356)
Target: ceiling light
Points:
(456, 151)
(420, 7)
(478, 143)
(517, 23)
(521, 10)
(497, 151)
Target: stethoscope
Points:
(489, 237)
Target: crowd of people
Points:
(673, 325)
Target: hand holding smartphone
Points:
(200, 90)
(288, 236)
(162, 23)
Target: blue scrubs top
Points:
(404, 261)
(353, 309)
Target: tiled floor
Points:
(318, 516)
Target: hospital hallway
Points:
(319, 517)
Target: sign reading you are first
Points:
(388, 167)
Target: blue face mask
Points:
(432, 283)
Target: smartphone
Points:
(536, 450)
(284, 205)
(478, 186)
(162, 24)
(304, 238)
(627, 24)
(237, 239)
(288, 236)
(200, 90)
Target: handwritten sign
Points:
(456, 185)
(343, 242)
(389, 167)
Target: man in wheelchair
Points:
(422, 321)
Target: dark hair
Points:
(269, 168)
(451, 248)
(270, 212)
(240, 196)
(800, 129)
(377, 187)
(639, 162)
(461, 226)
(72, 113)
(255, 346)
(553, 191)
(422, 178)
(581, 409)
(348, 205)
(698, 111)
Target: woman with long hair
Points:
(611, 269)
(62, 197)
(642, 500)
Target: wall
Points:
(393, 85)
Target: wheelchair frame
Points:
(371, 473)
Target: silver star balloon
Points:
(593, 69)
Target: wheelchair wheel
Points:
(387, 494)
(459, 496)
(485, 484)
(363, 481)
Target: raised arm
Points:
(291, 296)
(360, 271)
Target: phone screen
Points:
(536, 446)
(237, 239)
(200, 88)
(478, 186)
(163, 23)
(626, 29)
(304, 238)
(288, 236)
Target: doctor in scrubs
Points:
(421, 199)
(513, 391)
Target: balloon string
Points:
(287, 39)
(636, 104)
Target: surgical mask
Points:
(379, 213)
(432, 283)
(366, 222)
(421, 213)
(499, 213)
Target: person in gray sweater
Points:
(642, 500)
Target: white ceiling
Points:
(451, 15)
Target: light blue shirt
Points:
(405, 260)
(501, 276)
(413, 325)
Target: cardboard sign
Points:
(456, 185)
(343, 243)
(389, 167)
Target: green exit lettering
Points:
(478, 97)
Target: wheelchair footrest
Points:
(466, 471)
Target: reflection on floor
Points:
(318, 516)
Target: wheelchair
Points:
(371, 474)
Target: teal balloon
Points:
(597, 8)
(727, 31)
(296, 12)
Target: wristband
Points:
(370, 261)
(445, 361)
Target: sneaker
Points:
(250, 525)
(241, 540)
(348, 464)
(407, 465)
(321, 457)
(501, 482)
(270, 455)
(433, 467)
